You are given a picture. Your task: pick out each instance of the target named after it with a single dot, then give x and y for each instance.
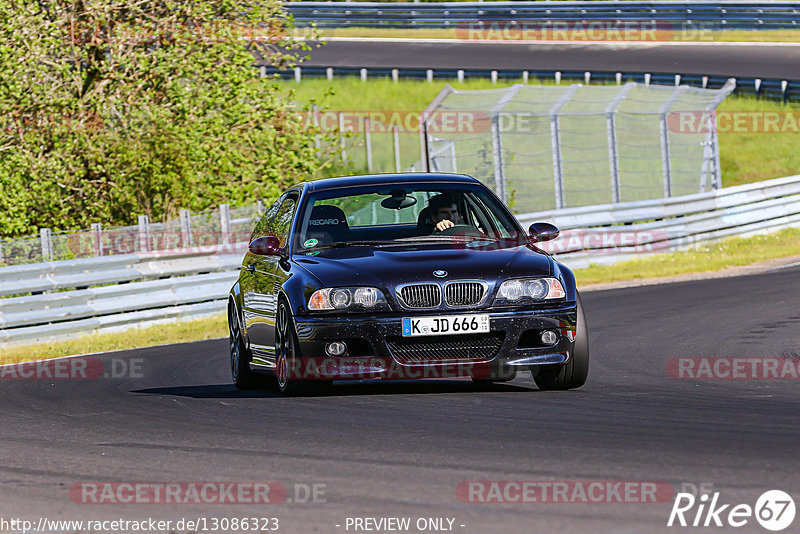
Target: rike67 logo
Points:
(774, 510)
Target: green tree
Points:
(112, 108)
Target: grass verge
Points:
(753, 36)
(178, 332)
(732, 252)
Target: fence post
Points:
(260, 207)
(368, 143)
(97, 232)
(186, 228)
(423, 143)
(144, 233)
(317, 143)
(555, 140)
(225, 224)
(666, 163)
(396, 136)
(341, 138)
(611, 126)
(497, 142)
(47, 244)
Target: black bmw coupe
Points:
(401, 276)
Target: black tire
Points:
(243, 377)
(572, 374)
(286, 354)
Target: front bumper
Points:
(373, 340)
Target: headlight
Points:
(522, 289)
(347, 298)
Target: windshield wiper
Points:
(343, 244)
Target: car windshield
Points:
(407, 215)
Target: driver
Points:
(444, 211)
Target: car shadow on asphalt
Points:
(366, 387)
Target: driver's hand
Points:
(444, 224)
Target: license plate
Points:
(445, 324)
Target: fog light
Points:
(337, 348)
(549, 337)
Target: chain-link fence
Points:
(550, 147)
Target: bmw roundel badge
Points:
(440, 273)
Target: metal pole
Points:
(97, 233)
(144, 233)
(396, 136)
(186, 228)
(555, 140)
(368, 143)
(725, 90)
(666, 162)
(47, 244)
(613, 153)
(341, 138)
(423, 143)
(497, 141)
(225, 223)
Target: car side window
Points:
(282, 222)
(266, 219)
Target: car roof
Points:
(389, 179)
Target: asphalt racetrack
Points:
(401, 449)
(781, 60)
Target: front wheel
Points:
(572, 374)
(287, 367)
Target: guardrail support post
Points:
(298, 74)
(368, 142)
(186, 228)
(225, 224)
(97, 233)
(144, 233)
(555, 140)
(611, 126)
(260, 207)
(47, 244)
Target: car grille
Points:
(421, 295)
(445, 349)
(463, 293)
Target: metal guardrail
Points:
(606, 234)
(786, 90)
(720, 14)
(77, 297)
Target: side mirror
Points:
(542, 231)
(267, 245)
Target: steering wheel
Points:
(460, 229)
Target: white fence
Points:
(53, 300)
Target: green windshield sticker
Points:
(310, 243)
(312, 253)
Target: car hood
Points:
(389, 267)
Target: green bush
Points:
(113, 108)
